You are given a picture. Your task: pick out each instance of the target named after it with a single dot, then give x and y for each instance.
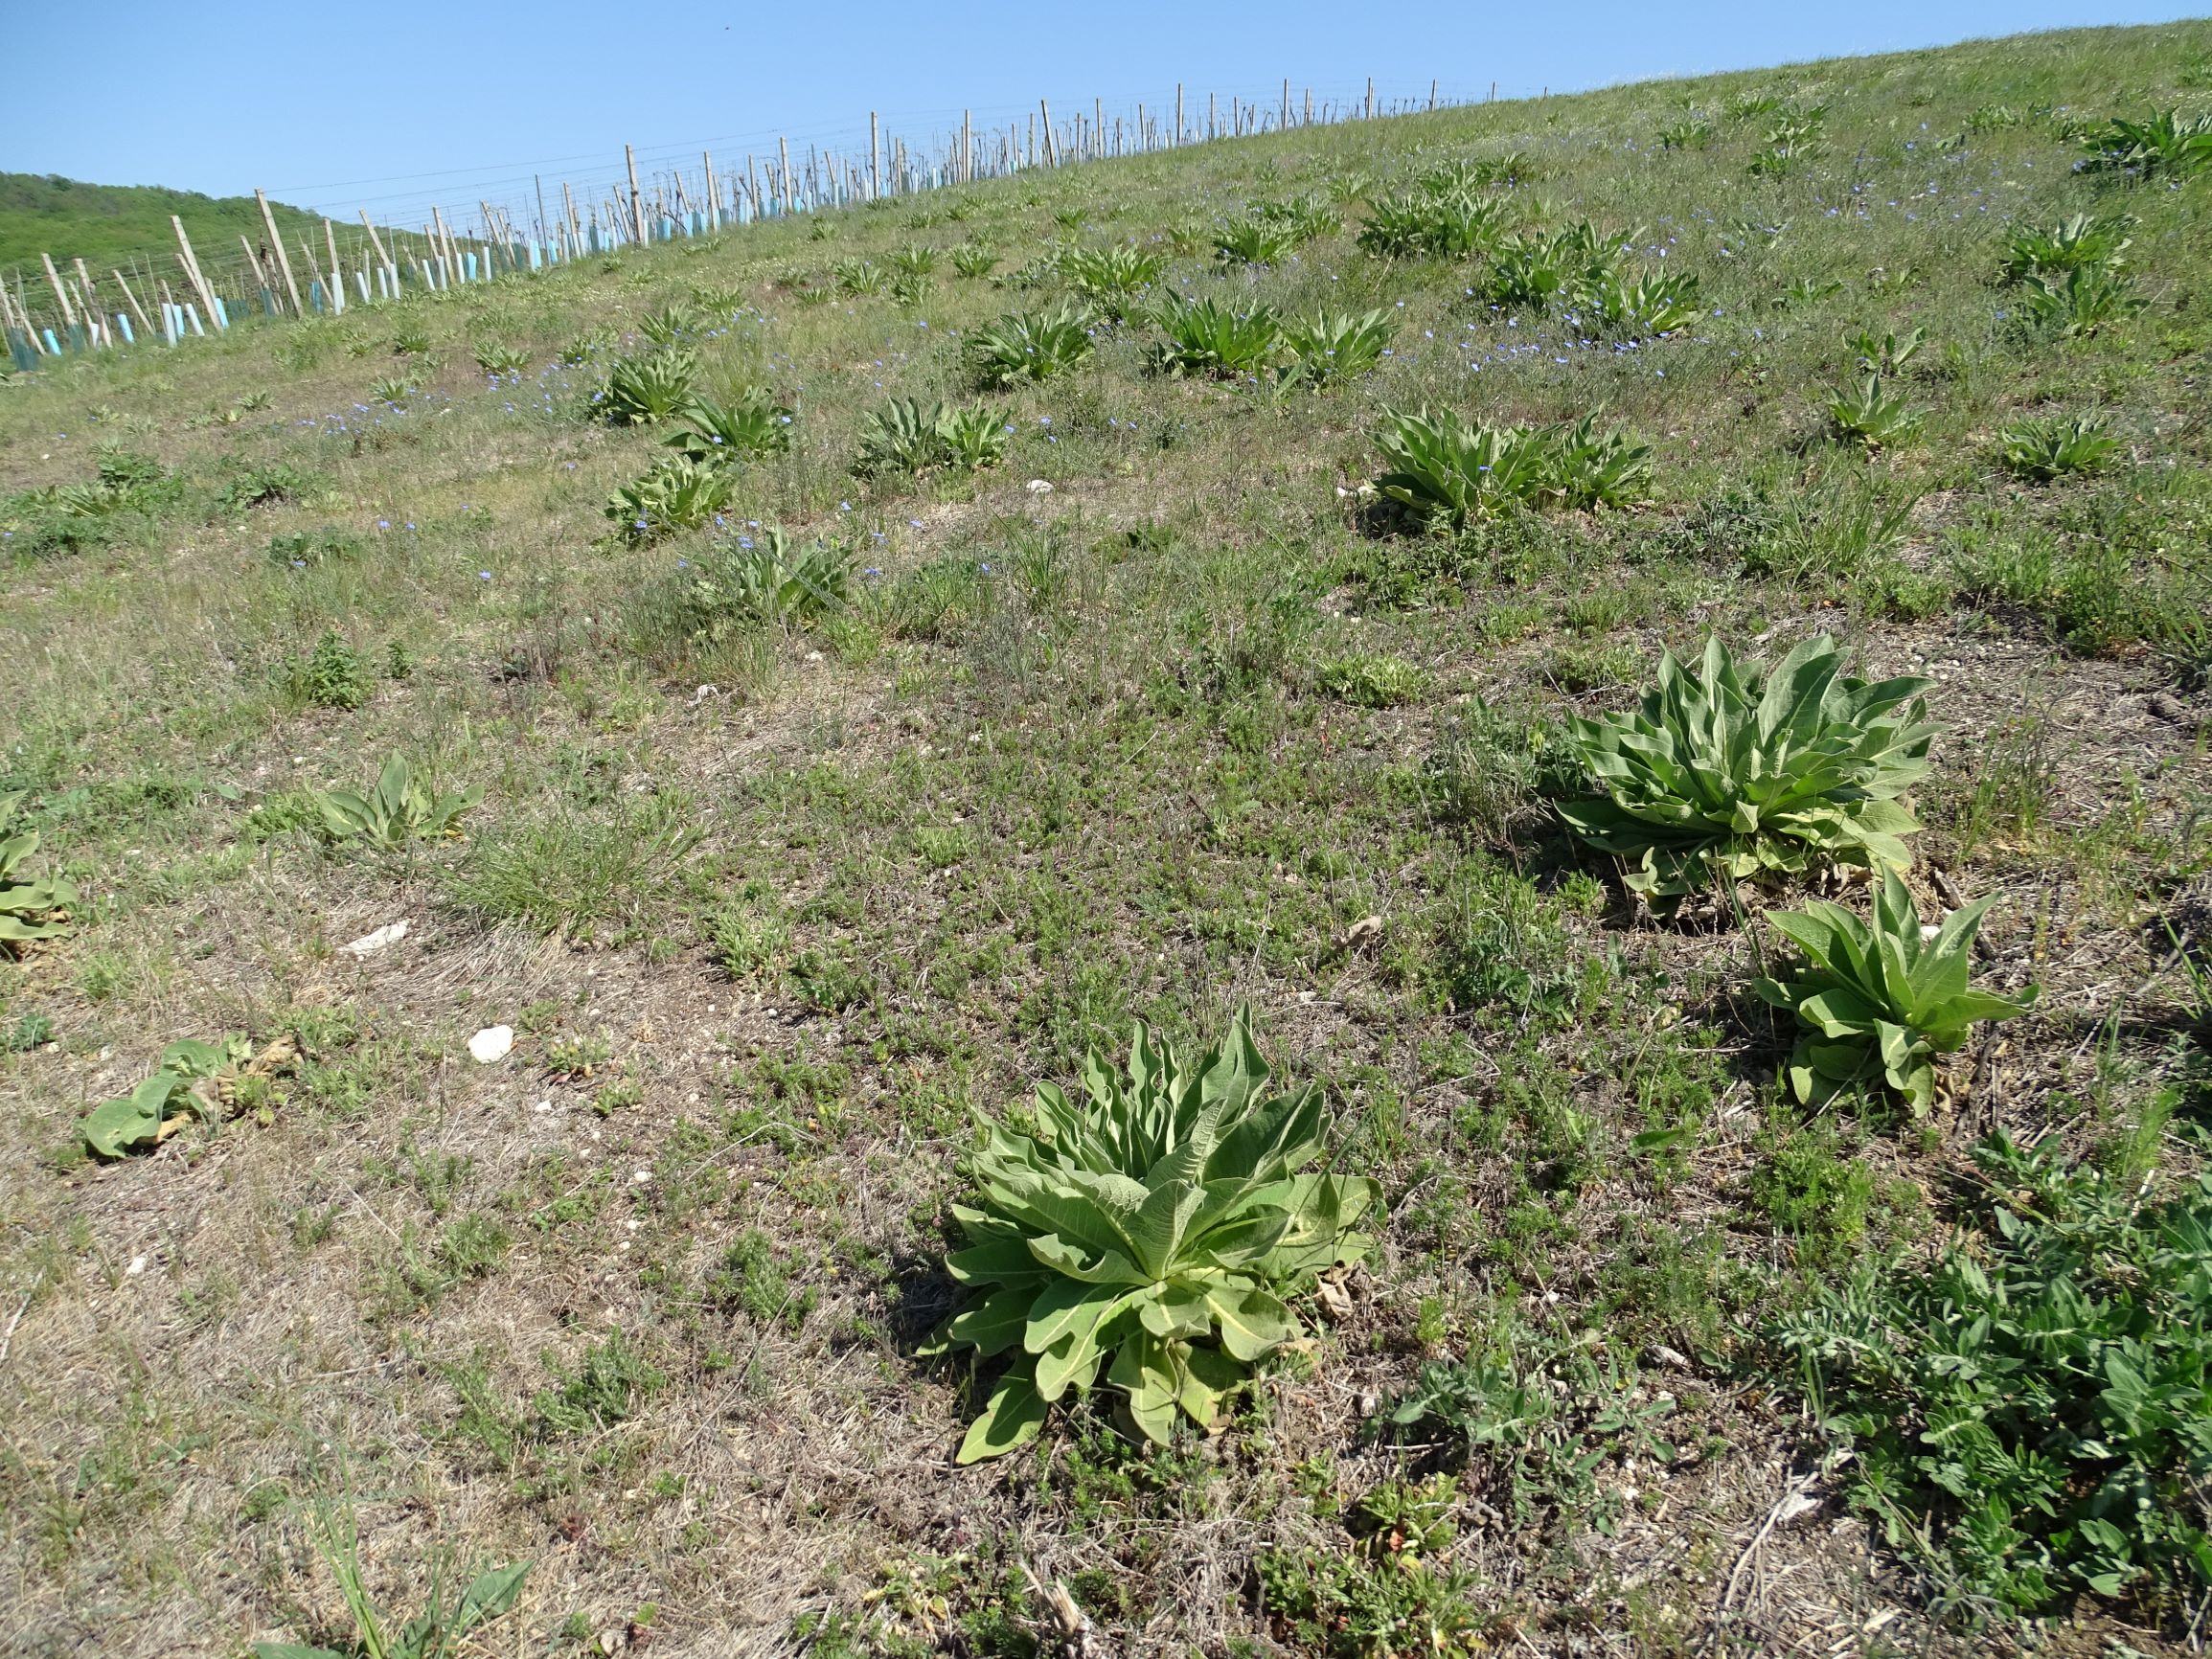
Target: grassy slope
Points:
(107, 224)
(805, 901)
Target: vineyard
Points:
(1411, 883)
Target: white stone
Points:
(389, 934)
(492, 1044)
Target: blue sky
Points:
(397, 104)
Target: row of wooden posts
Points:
(183, 302)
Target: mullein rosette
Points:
(1741, 770)
(30, 907)
(1153, 1229)
(1881, 1001)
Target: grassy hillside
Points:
(107, 225)
(854, 781)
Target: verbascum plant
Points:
(1729, 770)
(400, 807)
(28, 905)
(641, 391)
(1878, 1001)
(1030, 345)
(752, 423)
(1150, 1231)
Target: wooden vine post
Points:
(91, 295)
(191, 270)
(337, 272)
(131, 300)
(254, 264)
(60, 293)
(276, 241)
(378, 242)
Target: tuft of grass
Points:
(576, 875)
(332, 675)
(1372, 680)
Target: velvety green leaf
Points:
(492, 1594)
(1066, 1306)
(1813, 931)
(1837, 1011)
(1076, 1218)
(1773, 991)
(1322, 1208)
(1157, 1228)
(1141, 1368)
(1978, 1005)
(1288, 1129)
(997, 1260)
(193, 1059)
(1073, 1360)
(993, 1325)
(1011, 1419)
(1179, 1312)
(1252, 1322)
(1804, 1082)
(1207, 1374)
(1106, 1267)
(1237, 1243)
(115, 1129)
(1895, 1043)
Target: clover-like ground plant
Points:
(1734, 770)
(2026, 1411)
(1877, 1001)
(1151, 1229)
